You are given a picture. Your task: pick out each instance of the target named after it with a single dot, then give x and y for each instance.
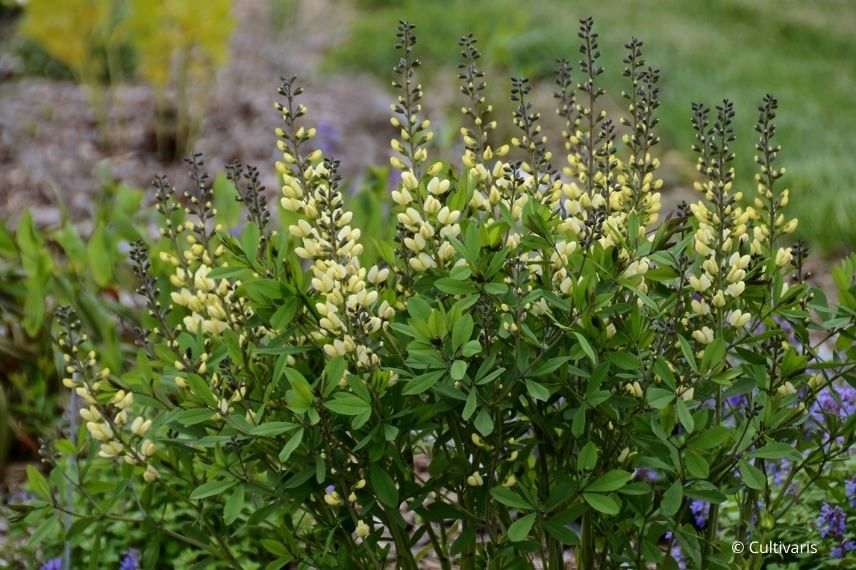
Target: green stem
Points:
(586, 555)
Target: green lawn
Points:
(802, 52)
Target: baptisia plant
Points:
(536, 368)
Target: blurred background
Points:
(98, 91)
(98, 96)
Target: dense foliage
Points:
(39, 270)
(534, 368)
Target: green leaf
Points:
(587, 349)
(270, 429)
(275, 547)
(472, 244)
(549, 366)
(226, 202)
(496, 263)
(78, 527)
(610, 481)
(38, 484)
(454, 286)
(383, 485)
(192, 416)
(711, 438)
(29, 240)
(250, 241)
(49, 526)
(658, 398)
(688, 352)
(419, 308)
(334, 370)
(212, 488)
(471, 348)
(714, 354)
(776, 450)
(495, 289)
(661, 368)
(201, 389)
(347, 404)
(625, 361)
(605, 504)
(562, 533)
(697, 465)
(689, 544)
(587, 458)
(438, 324)
(462, 330)
(458, 370)
(320, 468)
(484, 423)
(34, 307)
(752, 476)
(284, 314)
(37, 264)
(726, 377)
(685, 416)
(230, 272)
(233, 506)
(263, 290)
(292, 444)
(7, 244)
(672, 499)
(520, 528)
(422, 382)
(460, 272)
(509, 498)
(705, 491)
(493, 375)
(470, 405)
(300, 396)
(793, 363)
(578, 424)
(636, 488)
(100, 261)
(537, 391)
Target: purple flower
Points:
(646, 474)
(678, 555)
(20, 497)
(787, 330)
(850, 491)
(831, 522)
(52, 564)
(734, 409)
(836, 400)
(779, 470)
(675, 551)
(840, 550)
(131, 560)
(700, 510)
(394, 179)
(737, 401)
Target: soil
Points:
(53, 156)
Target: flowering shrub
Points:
(537, 368)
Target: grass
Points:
(741, 49)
